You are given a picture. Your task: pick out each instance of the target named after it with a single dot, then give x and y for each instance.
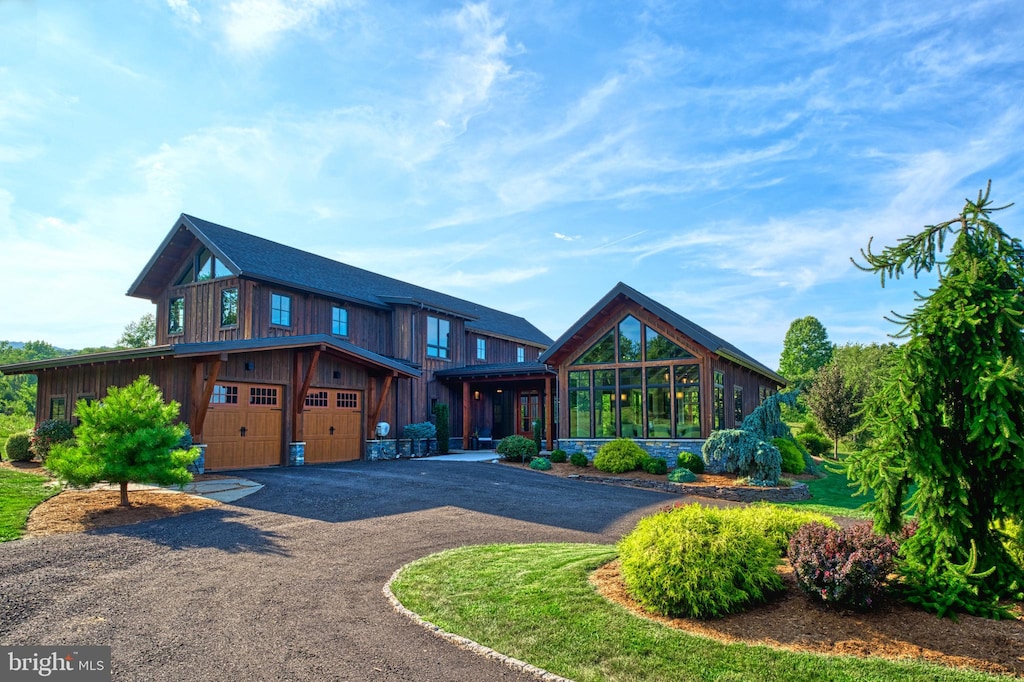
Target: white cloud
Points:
(185, 11)
(257, 25)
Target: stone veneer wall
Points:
(798, 491)
(666, 449)
(397, 449)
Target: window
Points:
(228, 307)
(520, 354)
(659, 402)
(204, 266)
(348, 400)
(281, 310)
(687, 395)
(605, 403)
(316, 399)
(176, 316)
(737, 401)
(438, 331)
(629, 340)
(224, 395)
(481, 349)
(339, 321)
(600, 353)
(261, 395)
(579, 404)
(718, 421)
(631, 408)
(58, 408)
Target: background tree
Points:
(139, 334)
(950, 415)
(128, 437)
(834, 403)
(805, 349)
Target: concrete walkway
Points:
(220, 489)
(465, 456)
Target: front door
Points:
(529, 412)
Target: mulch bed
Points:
(791, 621)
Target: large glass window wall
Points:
(655, 395)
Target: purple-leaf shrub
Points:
(845, 569)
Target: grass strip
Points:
(533, 602)
(20, 492)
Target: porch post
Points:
(466, 412)
(549, 412)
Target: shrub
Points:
(656, 466)
(558, 456)
(517, 448)
(815, 443)
(443, 428)
(811, 427)
(619, 455)
(540, 463)
(11, 424)
(579, 459)
(740, 452)
(845, 569)
(419, 431)
(698, 562)
(49, 433)
(792, 459)
(19, 447)
(536, 433)
(682, 475)
(690, 461)
(778, 523)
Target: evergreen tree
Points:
(950, 414)
(129, 436)
(833, 403)
(443, 428)
(805, 348)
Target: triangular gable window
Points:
(660, 348)
(601, 352)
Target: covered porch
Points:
(502, 400)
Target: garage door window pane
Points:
(262, 396)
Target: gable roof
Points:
(257, 258)
(716, 344)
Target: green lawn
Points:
(833, 496)
(533, 602)
(19, 493)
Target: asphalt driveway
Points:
(285, 584)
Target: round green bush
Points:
(619, 455)
(815, 443)
(698, 562)
(48, 433)
(558, 456)
(682, 475)
(792, 459)
(517, 448)
(779, 523)
(656, 466)
(19, 447)
(579, 459)
(688, 460)
(540, 463)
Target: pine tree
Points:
(949, 417)
(128, 437)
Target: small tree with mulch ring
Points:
(129, 436)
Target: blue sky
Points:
(725, 158)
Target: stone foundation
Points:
(402, 448)
(667, 449)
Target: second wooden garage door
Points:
(243, 426)
(333, 425)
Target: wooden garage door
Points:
(243, 426)
(333, 425)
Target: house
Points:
(280, 356)
(633, 368)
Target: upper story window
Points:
(281, 310)
(632, 341)
(339, 321)
(228, 307)
(481, 349)
(520, 354)
(176, 316)
(438, 331)
(204, 266)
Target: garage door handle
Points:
(332, 430)
(241, 432)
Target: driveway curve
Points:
(285, 584)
